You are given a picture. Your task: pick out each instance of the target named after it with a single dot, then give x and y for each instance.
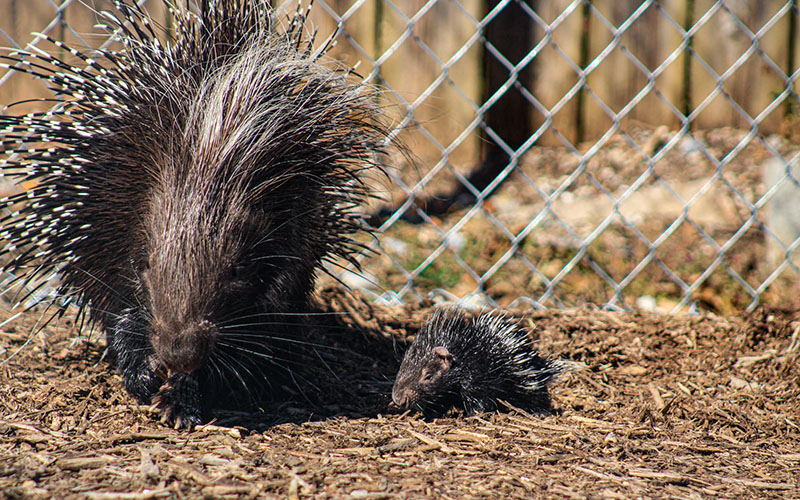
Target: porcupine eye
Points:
(242, 285)
(238, 273)
(431, 376)
(246, 273)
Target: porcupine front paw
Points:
(133, 357)
(141, 382)
(140, 378)
(178, 400)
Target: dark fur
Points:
(192, 194)
(470, 364)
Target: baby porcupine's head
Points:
(471, 363)
(187, 191)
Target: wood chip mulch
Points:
(655, 407)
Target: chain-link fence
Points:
(625, 153)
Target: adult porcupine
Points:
(470, 364)
(187, 192)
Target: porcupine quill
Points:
(472, 364)
(186, 193)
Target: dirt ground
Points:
(514, 245)
(656, 406)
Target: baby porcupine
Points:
(187, 192)
(470, 364)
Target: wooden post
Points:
(584, 61)
(687, 62)
(511, 117)
(790, 55)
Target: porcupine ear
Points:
(443, 358)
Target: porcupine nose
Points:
(184, 349)
(401, 397)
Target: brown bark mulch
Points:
(656, 406)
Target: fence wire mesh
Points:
(623, 153)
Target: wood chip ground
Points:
(655, 407)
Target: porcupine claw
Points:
(178, 400)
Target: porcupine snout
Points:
(185, 348)
(401, 397)
(180, 300)
(405, 392)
